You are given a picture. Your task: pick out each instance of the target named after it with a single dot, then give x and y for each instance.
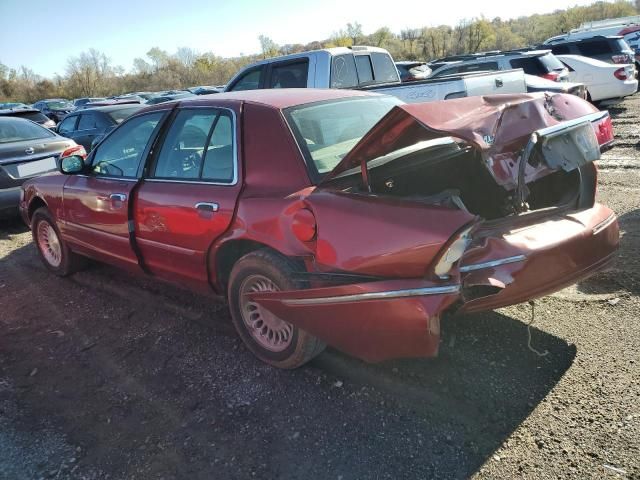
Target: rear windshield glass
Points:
(18, 130)
(33, 116)
(538, 65)
(590, 49)
(119, 115)
(327, 131)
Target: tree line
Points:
(92, 73)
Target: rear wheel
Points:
(53, 251)
(268, 337)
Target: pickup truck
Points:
(370, 69)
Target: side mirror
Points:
(72, 164)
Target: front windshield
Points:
(59, 105)
(327, 131)
(19, 130)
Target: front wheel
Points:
(268, 337)
(52, 250)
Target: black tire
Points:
(69, 262)
(302, 346)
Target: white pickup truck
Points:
(368, 68)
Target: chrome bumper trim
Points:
(389, 294)
(604, 224)
(492, 263)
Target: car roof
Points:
(9, 111)
(108, 108)
(278, 97)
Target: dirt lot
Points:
(103, 375)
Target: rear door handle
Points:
(119, 197)
(207, 206)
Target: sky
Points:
(42, 35)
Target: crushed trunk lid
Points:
(501, 127)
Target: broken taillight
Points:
(604, 131)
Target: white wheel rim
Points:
(269, 331)
(49, 244)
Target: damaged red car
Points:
(339, 217)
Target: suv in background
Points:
(610, 49)
(541, 63)
(410, 71)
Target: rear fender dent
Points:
(373, 321)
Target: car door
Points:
(252, 79)
(86, 130)
(96, 205)
(188, 198)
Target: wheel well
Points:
(228, 255)
(35, 204)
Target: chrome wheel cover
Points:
(266, 329)
(49, 243)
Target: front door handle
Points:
(118, 197)
(207, 206)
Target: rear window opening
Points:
(451, 173)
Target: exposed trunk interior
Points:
(453, 174)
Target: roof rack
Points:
(492, 53)
(609, 22)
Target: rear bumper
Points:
(555, 253)
(401, 318)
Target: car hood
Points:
(498, 125)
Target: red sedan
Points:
(339, 217)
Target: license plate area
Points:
(570, 148)
(29, 169)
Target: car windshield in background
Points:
(327, 131)
(59, 105)
(119, 115)
(18, 130)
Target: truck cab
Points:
(338, 67)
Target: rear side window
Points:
(590, 49)
(87, 121)
(363, 66)
(383, 67)
(199, 145)
(290, 75)
(68, 125)
(343, 71)
(249, 81)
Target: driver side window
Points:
(121, 153)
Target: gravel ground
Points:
(105, 375)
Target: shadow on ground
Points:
(151, 380)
